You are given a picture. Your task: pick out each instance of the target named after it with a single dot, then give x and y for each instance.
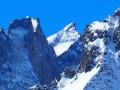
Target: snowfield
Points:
(79, 81)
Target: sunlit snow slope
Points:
(62, 40)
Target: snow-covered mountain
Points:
(100, 62)
(62, 40)
(98, 50)
(66, 60)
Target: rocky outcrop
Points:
(71, 57)
(100, 59)
(109, 62)
(26, 57)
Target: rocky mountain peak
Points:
(26, 56)
(64, 38)
(117, 12)
(100, 52)
(68, 33)
(24, 23)
(69, 26)
(27, 23)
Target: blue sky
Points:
(55, 14)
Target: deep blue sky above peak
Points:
(55, 14)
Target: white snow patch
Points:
(34, 24)
(98, 42)
(27, 16)
(98, 26)
(62, 47)
(95, 34)
(52, 38)
(81, 81)
(33, 87)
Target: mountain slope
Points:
(100, 54)
(109, 73)
(62, 40)
(23, 61)
(16, 71)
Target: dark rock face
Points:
(23, 23)
(71, 57)
(69, 37)
(3, 45)
(107, 73)
(117, 13)
(89, 54)
(16, 72)
(42, 56)
(26, 57)
(101, 50)
(116, 36)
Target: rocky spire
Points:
(117, 13)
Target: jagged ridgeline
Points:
(100, 59)
(66, 60)
(25, 56)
